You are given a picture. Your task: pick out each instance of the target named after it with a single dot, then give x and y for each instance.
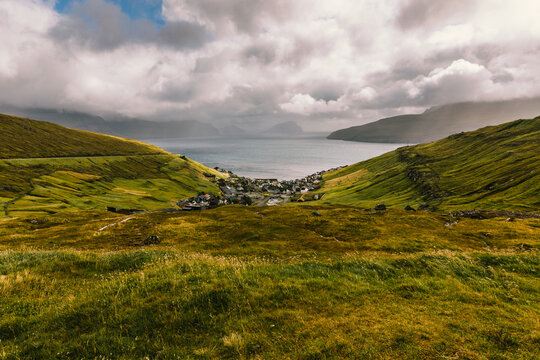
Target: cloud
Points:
(102, 26)
(246, 16)
(253, 62)
(418, 13)
(304, 104)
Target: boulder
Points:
(380, 207)
(151, 240)
(423, 207)
(316, 213)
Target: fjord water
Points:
(280, 158)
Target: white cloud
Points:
(304, 104)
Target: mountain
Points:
(233, 131)
(119, 126)
(496, 167)
(46, 168)
(440, 121)
(288, 129)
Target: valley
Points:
(447, 268)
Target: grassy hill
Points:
(119, 126)
(25, 138)
(46, 168)
(440, 121)
(269, 283)
(496, 167)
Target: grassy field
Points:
(269, 283)
(46, 168)
(492, 168)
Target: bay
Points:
(280, 158)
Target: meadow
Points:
(300, 282)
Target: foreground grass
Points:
(168, 305)
(269, 283)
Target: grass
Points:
(316, 281)
(46, 186)
(26, 138)
(46, 168)
(271, 232)
(267, 283)
(492, 168)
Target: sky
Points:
(324, 64)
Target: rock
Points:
(316, 213)
(424, 207)
(525, 247)
(151, 240)
(409, 208)
(510, 219)
(380, 207)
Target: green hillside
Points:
(440, 121)
(46, 168)
(494, 167)
(25, 138)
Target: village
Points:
(256, 192)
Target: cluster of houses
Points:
(246, 191)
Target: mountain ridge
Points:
(440, 121)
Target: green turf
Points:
(46, 168)
(26, 138)
(269, 283)
(41, 186)
(492, 168)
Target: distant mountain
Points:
(125, 127)
(495, 167)
(233, 131)
(440, 121)
(287, 129)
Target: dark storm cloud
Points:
(264, 54)
(102, 26)
(327, 92)
(245, 15)
(177, 93)
(417, 13)
(244, 106)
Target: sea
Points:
(274, 158)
